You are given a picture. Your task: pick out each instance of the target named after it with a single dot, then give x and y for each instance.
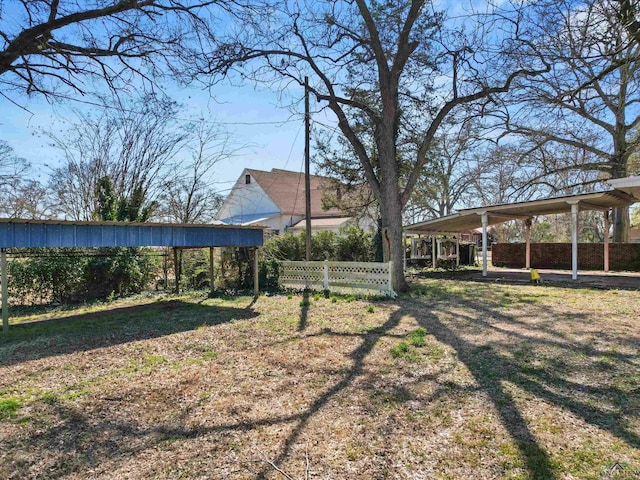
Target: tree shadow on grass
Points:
(304, 311)
(490, 380)
(588, 280)
(512, 361)
(485, 359)
(75, 427)
(83, 332)
(358, 356)
(493, 372)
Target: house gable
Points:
(287, 190)
(247, 202)
(277, 199)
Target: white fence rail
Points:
(338, 276)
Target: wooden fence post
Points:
(390, 286)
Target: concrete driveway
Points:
(593, 279)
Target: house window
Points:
(247, 179)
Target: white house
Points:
(276, 199)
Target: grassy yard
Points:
(455, 380)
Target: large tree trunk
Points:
(621, 225)
(391, 208)
(393, 248)
(619, 170)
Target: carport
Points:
(16, 233)
(626, 192)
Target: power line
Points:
(182, 119)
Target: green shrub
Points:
(351, 244)
(323, 245)
(287, 246)
(195, 268)
(48, 275)
(120, 272)
(269, 271)
(354, 245)
(74, 275)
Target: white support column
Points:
(4, 278)
(574, 239)
(527, 238)
(458, 250)
(434, 257)
(485, 224)
(606, 240)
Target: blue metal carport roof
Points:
(17, 233)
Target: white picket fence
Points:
(374, 278)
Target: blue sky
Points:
(273, 135)
(247, 112)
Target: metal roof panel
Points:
(15, 233)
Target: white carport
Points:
(626, 193)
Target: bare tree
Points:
(27, 198)
(48, 44)
(582, 115)
(383, 61)
(189, 195)
(456, 162)
(627, 12)
(22, 197)
(12, 167)
(132, 145)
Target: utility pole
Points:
(307, 180)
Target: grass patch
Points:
(401, 350)
(416, 338)
(8, 407)
(453, 380)
(210, 354)
(413, 347)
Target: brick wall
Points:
(622, 256)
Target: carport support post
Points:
(176, 269)
(606, 240)
(256, 274)
(458, 250)
(211, 273)
(434, 260)
(527, 239)
(5, 290)
(574, 239)
(485, 223)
